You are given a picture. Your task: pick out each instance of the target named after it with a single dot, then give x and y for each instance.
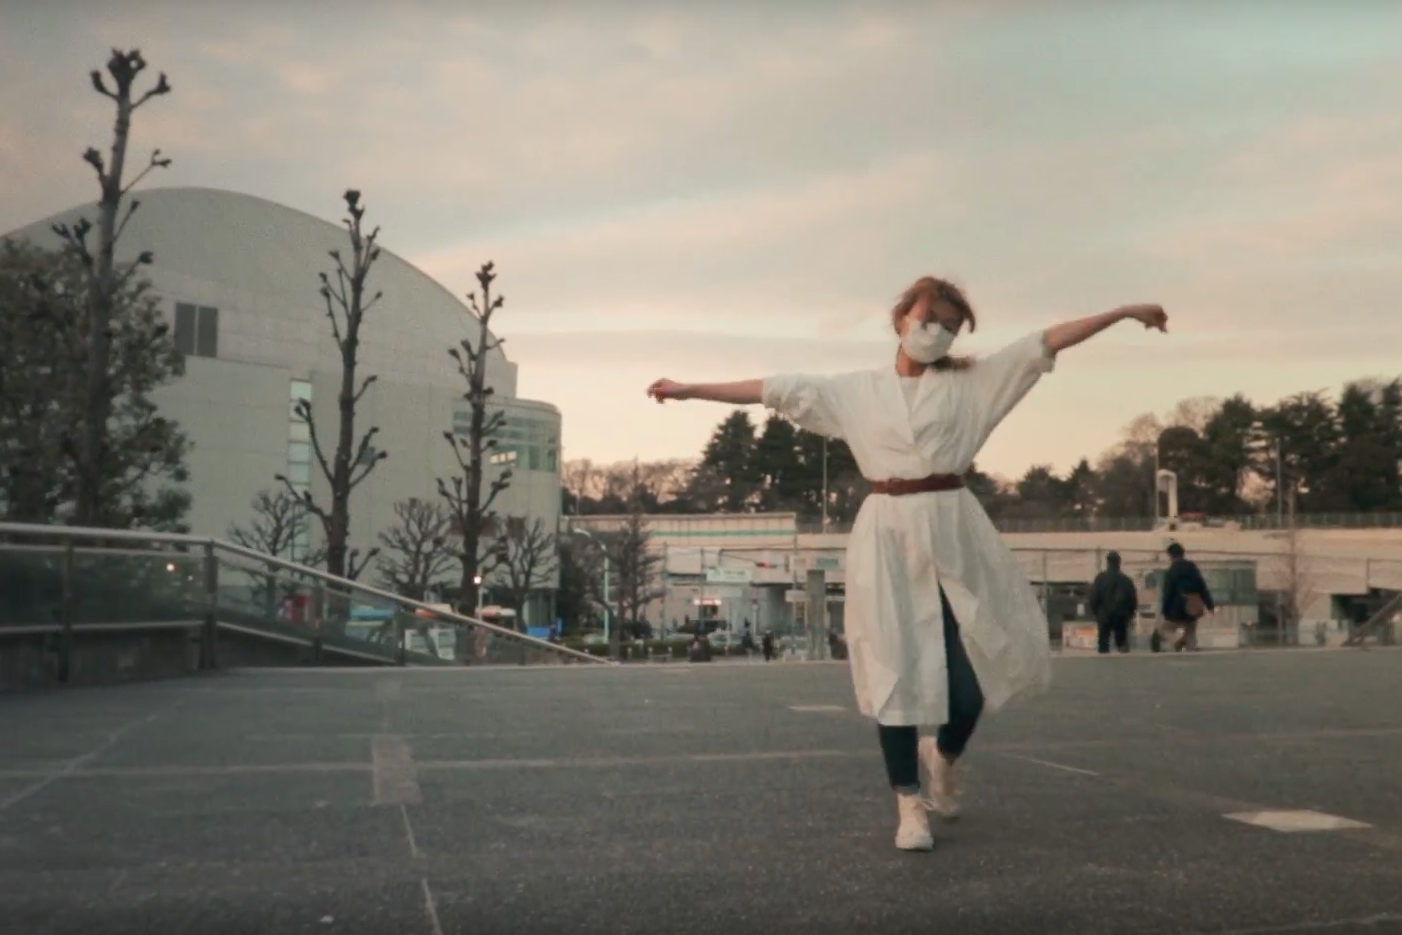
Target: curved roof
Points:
(258, 263)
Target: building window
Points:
(529, 444)
(301, 391)
(197, 330)
(299, 449)
(185, 329)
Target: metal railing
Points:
(1253, 522)
(59, 581)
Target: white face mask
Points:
(926, 343)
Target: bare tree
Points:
(106, 280)
(1297, 586)
(279, 527)
(280, 523)
(418, 553)
(527, 559)
(635, 569)
(471, 506)
(352, 462)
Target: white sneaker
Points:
(914, 831)
(942, 787)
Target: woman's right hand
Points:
(1150, 316)
(664, 389)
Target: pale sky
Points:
(721, 190)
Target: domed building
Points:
(238, 277)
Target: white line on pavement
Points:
(74, 764)
(431, 907)
(1048, 763)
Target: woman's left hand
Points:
(1152, 316)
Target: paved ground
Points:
(695, 799)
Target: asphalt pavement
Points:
(728, 798)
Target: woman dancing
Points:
(941, 624)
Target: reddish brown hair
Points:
(937, 290)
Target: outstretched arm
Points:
(739, 393)
(1070, 333)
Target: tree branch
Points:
(305, 498)
(328, 295)
(363, 387)
(94, 158)
(162, 87)
(498, 485)
(304, 410)
(156, 162)
(131, 209)
(374, 300)
(353, 568)
(365, 468)
(145, 258)
(76, 237)
(99, 85)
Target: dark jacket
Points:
(1113, 596)
(1182, 579)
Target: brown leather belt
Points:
(900, 487)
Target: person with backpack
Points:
(1114, 601)
(1185, 599)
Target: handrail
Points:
(91, 532)
(85, 532)
(1384, 614)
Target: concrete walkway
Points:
(1139, 797)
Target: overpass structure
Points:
(761, 568)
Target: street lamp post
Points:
(825, 483)
(1280, 526)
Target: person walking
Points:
(767, 644)
(1113, 601)
(941, 623)
(1184, 599)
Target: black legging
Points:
(900, 745)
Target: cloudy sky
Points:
(719, 190)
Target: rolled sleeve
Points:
(810, 402)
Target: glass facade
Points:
(299, 457)
(526, 442)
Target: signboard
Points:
(730, 593)
(827, 563)
(716, 575)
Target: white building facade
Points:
(238, 277)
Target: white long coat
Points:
(903, 548)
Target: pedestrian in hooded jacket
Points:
(1114, 601)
